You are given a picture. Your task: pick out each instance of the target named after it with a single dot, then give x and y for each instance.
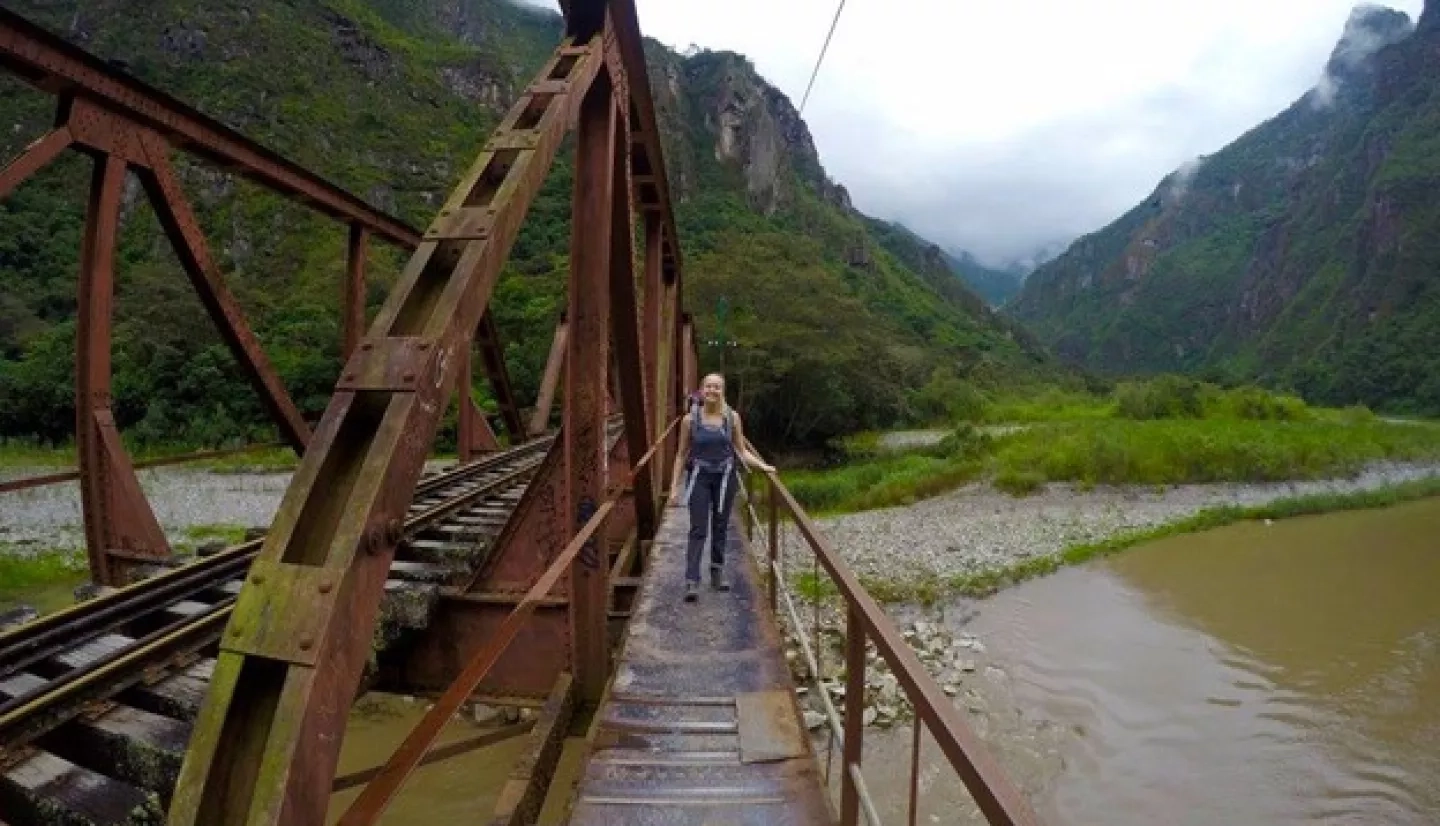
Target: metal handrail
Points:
(994, 793)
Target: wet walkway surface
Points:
(701, 724)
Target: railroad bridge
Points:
(541, 573)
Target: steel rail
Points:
(87, 619)
(25, 717)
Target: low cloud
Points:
(1368, 30)
(1007, 129)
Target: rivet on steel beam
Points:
(235, 631)
(257, 579)
(394, 530)
(365, 346)
(349, 376)
(326, 586)
(409, 377)
(306, 643)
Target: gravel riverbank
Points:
(50, 517)
(977, 528)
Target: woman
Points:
(711, 437)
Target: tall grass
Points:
(1179, 451)
(882, 482)
(20, 570)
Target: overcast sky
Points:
(999, 127)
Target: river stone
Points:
(17, 616)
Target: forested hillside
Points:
(1305, 255)
(836, 321)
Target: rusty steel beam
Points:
(689, 357)
(654, 195)
(183, 230)
(540, 418)
(39, 153)
(628, 358)
(587, 360)
(524, 791)
(492, 361)
(267, 739)
(657, 341)
(117, 517)
(475, 435)
(353, 323)
(50, 63)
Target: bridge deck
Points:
(701, 725)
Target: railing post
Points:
(854, 716)
(353, 323)
(774, 579)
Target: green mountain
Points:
(1303, 255)
(835, 320)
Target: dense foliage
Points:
(1302, 256)
(833, 323)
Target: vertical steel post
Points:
(354, 321)
(466, 426)
(540, 418)
(854, 716)
(587, 358)
(654, 309)
(628, 358)
(774, 508)
(117, 517)
(690, 366)
(915, 771)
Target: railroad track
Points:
(97, 701)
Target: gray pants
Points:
(709, 509)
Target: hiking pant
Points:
(707, 511)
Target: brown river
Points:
(1269, 674)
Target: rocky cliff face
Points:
(1300, 255)
(734, 118)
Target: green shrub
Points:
(1019, 482)
(946, 397)
(1164, 397)
(965, 441)
(1256, 404)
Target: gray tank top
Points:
(710, 445)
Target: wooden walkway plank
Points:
(700, 724)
